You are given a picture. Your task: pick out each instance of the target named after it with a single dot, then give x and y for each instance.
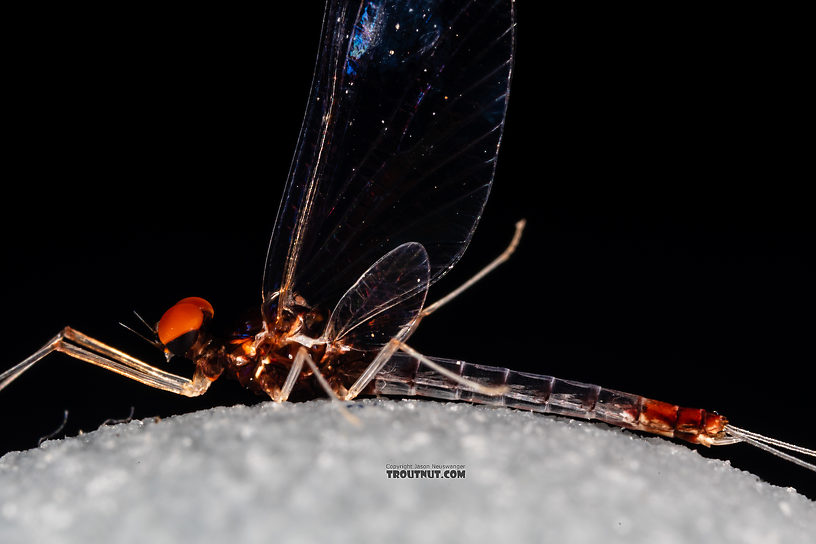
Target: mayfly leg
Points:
(489, 390)
(373, 369)
(501, 259)
(83, 347)
(291, 378)
(395, 344)
(302, 357)
(388, 351)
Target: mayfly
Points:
(392, 169)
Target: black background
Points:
(657, 156)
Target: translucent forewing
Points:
(384, 302)
(399, 142)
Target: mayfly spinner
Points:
(392, 170)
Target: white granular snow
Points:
(301, 473)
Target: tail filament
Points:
(771, 445)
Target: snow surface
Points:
(302, 473)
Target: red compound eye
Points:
(185, 317)
(200, 303)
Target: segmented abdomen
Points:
(404, 376)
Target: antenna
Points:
(153, 342)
